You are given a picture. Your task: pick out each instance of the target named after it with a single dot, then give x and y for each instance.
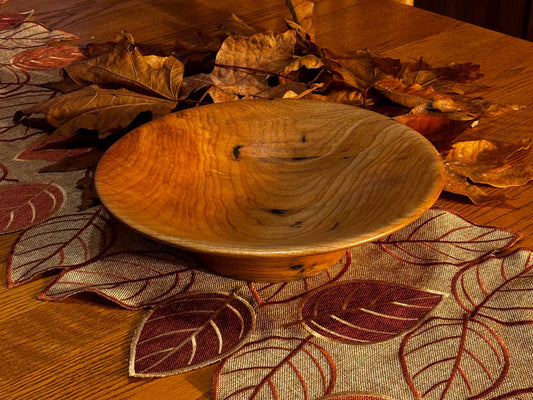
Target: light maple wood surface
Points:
(269, 190)
(79, 348)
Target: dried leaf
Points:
(49, 149)
(169, 339)
(415, 95)
(234, 26)
(126, 67)
(439, 238)
(486, 162)
(276, 368)
(365, 312)
(243, 64)
(75, 163)
(133, 279)
(302, 13)
(491, 288)
(363, 70)
(72, 239)
(453, 359)
(459, 184)
(26, 204)
(93, 108)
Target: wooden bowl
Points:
(269, 190)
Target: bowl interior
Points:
(269, 177)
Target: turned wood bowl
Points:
(269, 190)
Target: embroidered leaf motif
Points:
(194, 330)
(26, 204)
(356, 396)
(133, 279)
(50, 149)
(59, 242)
(453, 359)
(47, 57)
(364, 311)
(499, 289)
(440, 237)
(276, 368)
(9, 20)
(277, 293)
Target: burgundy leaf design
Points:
(453, 359)
(276, 368)
(26, 204)
(9, 20)
(441, 237)
(355, 396)
(59, 242)
(47, 57)
(499, 288)
(277, 293)
(195, 329)
(365, 311)
(515, 394)
(133, 279)
(3, 174)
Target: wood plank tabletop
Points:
(79, 349)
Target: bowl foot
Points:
(270, 269)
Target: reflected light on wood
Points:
(269, 190)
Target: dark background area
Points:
(512, 17)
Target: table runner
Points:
(436, 310)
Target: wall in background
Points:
(512, 17)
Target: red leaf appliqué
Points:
(26, 204)
(9, 20)
(365, 311)
(276, 368)
(195, 329)
(440, 237)
(448, 358)
(47, 57)
(133, 279)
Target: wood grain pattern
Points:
(264, 184)
(83, 342)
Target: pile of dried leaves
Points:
(117, 87)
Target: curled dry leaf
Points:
(415, 95)
(458, 184)
(302, 13)
(126, 67)
(487, 162)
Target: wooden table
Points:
(79, 349)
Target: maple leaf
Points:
(125, 67)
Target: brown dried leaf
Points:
(302, 13)
(486, 162)
(458, 184)
(93, 108)
(244, 64)
(415, 95)
(362, 70)
(126, 67)
(234, 26)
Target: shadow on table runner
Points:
(428, 312)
